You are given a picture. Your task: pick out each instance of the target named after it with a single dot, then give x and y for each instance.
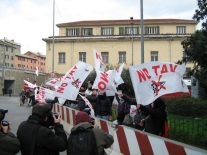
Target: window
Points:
(19, 65)
(122, 57)
(131, 30)
(73, 32)
(61, 57)
(12, 65)
(87, 31)
(105, 57)
(12, 58)
(152, 30)
(181, 29)
(82, 56)
(154, 55)
(107, 31)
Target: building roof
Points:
(37, 54)
(8, 42)
(25, 56)
(125, 22)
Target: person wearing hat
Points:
(94, 140)
(37, 138)
(9, 144)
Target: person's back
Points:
(87, 140)
(35, 136)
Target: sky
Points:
(28, 21)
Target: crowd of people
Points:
(43, 134)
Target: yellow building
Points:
(118, 41)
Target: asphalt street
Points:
(16, 114)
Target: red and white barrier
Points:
(129, 141)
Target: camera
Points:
(5, 123)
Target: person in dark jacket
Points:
(154, 122)
(9, 144)
(36, 137)
(103, 107)
(103, 140)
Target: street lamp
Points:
(132, 33)
(142, 31)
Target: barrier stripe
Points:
(73, 112)
(132, 141)
(58, 108)
(54, 108)
(124, 148)
(156, 144)
(63, 114)
(144, 144)
(174, 148)
(104, 126)
(67, 115)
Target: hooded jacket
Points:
(103, 140)
(46, 141)
(9, 144)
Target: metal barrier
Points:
(129, 141)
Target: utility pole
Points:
(142, 31)
(132, 33)
(53, 39)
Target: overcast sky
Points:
(28, 21)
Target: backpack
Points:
(82, 142)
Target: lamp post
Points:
(132, 35)
(53, 39)
(142, 31)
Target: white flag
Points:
(73, 80)
(155, 79)
(118, 80)
(105, 81)
(99, 64)
(89, 105)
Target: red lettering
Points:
(155, 69)
(143, 75)
(146, 73)
(64, 85)
(73, 70)
(60, 90)
(164, 69)
(172, 69)
(101, 86)
(104, 76)
(98, 56)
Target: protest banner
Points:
(152, 80)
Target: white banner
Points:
(99, 64)
(55, 82)
(70, 86)
(105, 81)
(30, 85)
(118, 80)
(155, 79)
(89, 105)
(44, 94)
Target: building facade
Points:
(118, 41)
(8, 50)
(30, 61)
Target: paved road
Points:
(16, 113)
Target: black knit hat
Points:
(41, 110)
(2, 114)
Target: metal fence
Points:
(188, 130)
